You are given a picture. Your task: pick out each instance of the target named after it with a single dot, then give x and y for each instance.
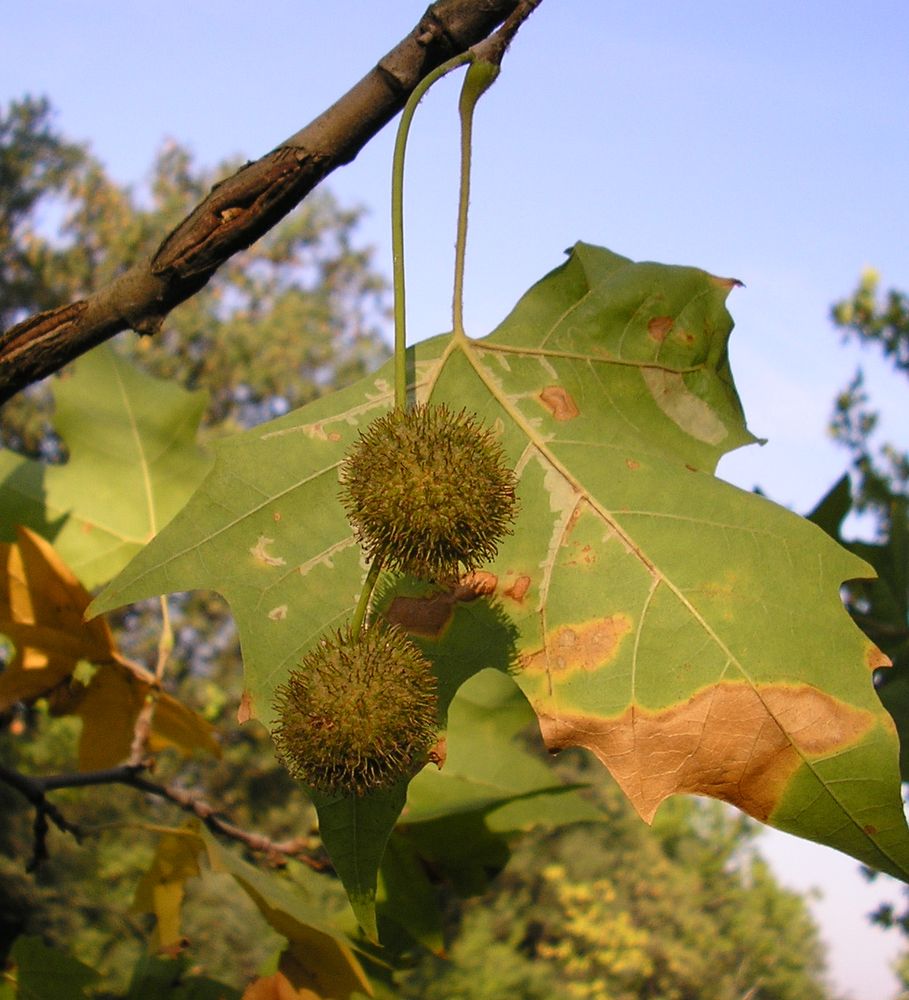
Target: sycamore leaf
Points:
(160, 890)
(487, 769)
(688, 633)
(460, 817)
(42, 605)
(134, 462)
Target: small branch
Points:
(32, 790)
(245, 206)
(142, 728)
(492, 49)
(36, 789)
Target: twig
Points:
(35, 789)
(246, 205)
(492, 49)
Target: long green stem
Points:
(369, 585)
(480, 77)
(397, 220)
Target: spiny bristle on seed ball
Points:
(359, 713)
(428, 492)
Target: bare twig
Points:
(243, 207)
(35, 790)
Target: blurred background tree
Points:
(685, 910)
(879, 489)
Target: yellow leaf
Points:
(160, 890)
(42, 605)
(108, 708)
(41, 609)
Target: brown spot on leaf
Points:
(430, 616)
(476, 584)
(276, 516)
(870, 830)
(439, 753)
(559, 402)
(427, 616)
(588, 646)
(732, 742)
(876, 658)
(658, 328)
(583, 555)
(278, 614)
(87, 527)
(632, 464)
(334, 436)
(246, 711)
(727, 282)
(518, 590)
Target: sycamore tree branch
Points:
(240, 209)
(35, 790)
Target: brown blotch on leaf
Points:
(427, 616)
(731, 742)
(580, 647)
(658, 328)
(876, 658)
(727, 282)
(518, 590)
(430, 616)
(439, 753)
(245, 710)
(559, 402)
(476, 584)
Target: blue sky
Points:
(766, 142)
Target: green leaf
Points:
(460, 818)
(688, 633)
(833, 507)
(487, 769)
(355, 830)
(44, 973)
(133, 464)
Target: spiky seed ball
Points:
(428, 492)
(359, 713)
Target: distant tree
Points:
(296, 315)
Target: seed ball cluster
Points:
(428, 492)
(359, 713)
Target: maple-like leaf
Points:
(133, 463)
(42, 607)
(688, 633)
(161, 889)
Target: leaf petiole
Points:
(397, 219)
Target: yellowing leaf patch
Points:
(42, 607)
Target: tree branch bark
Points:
(243, 207)
(35, 789)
